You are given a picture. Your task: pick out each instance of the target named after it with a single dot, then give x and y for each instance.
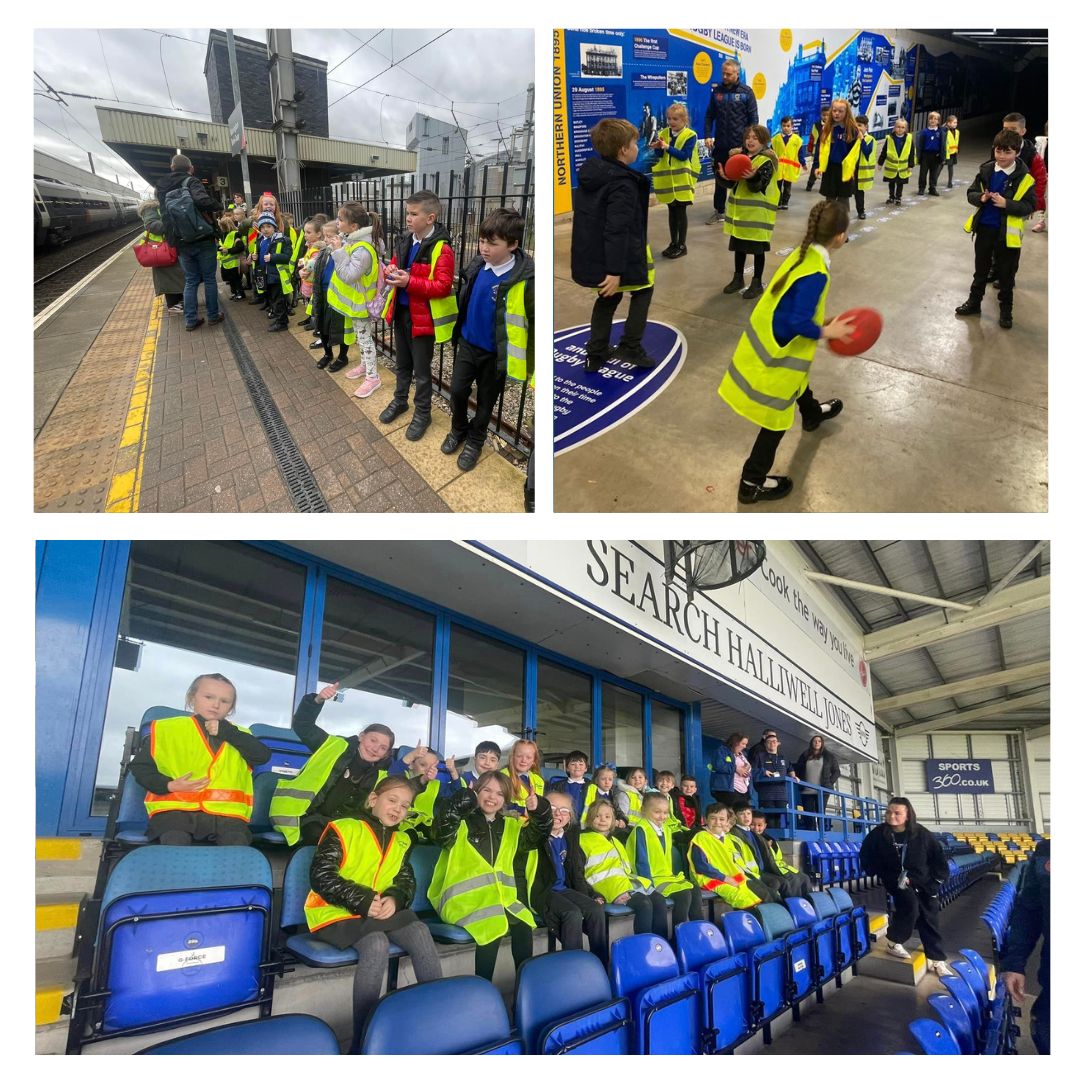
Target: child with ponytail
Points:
(751, 213)
(837, 153)
(786, 323)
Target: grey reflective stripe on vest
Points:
(468, 885)
(1013, 231)
(516, 351)
(790, 363)
(333, 290)
(506, 879)
(780, 404)
(516, 320)
(759, 204)
(443, 320)
(294, 822)
(480, 914)
(292, 793)
(517, 909)
(595, 860)
(616, 871)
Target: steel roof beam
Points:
(990, 679)
(991, 711)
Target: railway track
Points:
(58, 271)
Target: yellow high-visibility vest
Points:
(662, 876)
(952, 142)
(608, 868)
(897, 165)
(719, 852)
(422, 811)
(675, 179)
(865, 176)
(633, 812)
(535, 779)
(443, 310)
(517, 336)
(849, 161)
(179, 745)
(228, 259)
(1014, 223)
(787, 151)
(752, 214)
(349, 299)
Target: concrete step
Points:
(54, 978)
(54, 924)
(878, 964)
(65, 866)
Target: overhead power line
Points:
(392, 65)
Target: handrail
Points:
(869, 812)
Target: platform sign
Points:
(959, 776)
(590, 403)
(237, 135)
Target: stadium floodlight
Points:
(711, 564)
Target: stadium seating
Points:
(857, 945)
(779, 925)
(274, 1035)
(767, 964)
(822, 927)
(723, 983)
(933, 1037)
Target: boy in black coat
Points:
(609, 249)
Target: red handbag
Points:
(154, 253)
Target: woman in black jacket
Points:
(909, 860)
(816, 765)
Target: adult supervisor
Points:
(910, 862)
(732, 109)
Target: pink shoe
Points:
(1039, 226)
(368, 386)
(356, 372)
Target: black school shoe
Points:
(633, 354)
(468, 457)
(417, 427)
(451, 442)
(679, 252)
(669, 251)
(324, 361)
(835, 407)
(752, 493)
(970, 307)
(1005, 317)
(392, 412)
(338, 364)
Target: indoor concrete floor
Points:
(942, 414)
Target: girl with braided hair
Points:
(769, 373)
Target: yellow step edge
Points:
(878, 923)
(918, 961)
(56, 916)
(58, 848)
(47, 1002)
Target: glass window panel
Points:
(667, 739)
(623, 727)
(192, 608)
(563, 712)
(381, 653)
(485, 697)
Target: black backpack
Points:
(182, 221)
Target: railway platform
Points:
(134, 414)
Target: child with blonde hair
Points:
(524, 773)
(675, 174)
(650, 845)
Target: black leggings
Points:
(759, 263)
(896, 188)
(676, 217)
(650, 913)
(521, 945)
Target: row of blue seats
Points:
(999, 911)
(970, 1019)
(835, 862)
(964, 870)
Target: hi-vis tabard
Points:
(284, 270)
(719, 853)
(608, 868)
(535, 780)
(443, 311)
(633, 812)
(674, 179)
(517, 337)
(897, 165)
(764, 377)
(469, 892)
(363, 862)
(226, 256)
(178, 745)
(847, 163)
(751, 215)
(787, 153)
(664, 879)
(422, 812)
(952, 142)
(351, 300)
(1014, 224)
(867, 155)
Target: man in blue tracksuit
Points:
(732, 109)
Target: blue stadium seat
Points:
(724, 984)
(471, 1020)
(932, 1037)
(305, 946)
(977, 986)
(819, 862)
(954, 1017)
(663, 1001)
(564, 1005)
(184, 934)
(823, 933)
(294, 1033)
(980, 965)
(828, 910)
(131, 819)
(288, 755)
(963, 994)
(767, 963)
(778, 925)
(860, 924)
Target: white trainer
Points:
(894, 948)
(938, 967)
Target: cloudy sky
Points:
(481, 74)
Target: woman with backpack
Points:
(168, 280)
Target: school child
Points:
(361, 889)
(267, 204)
(603, 788)
(560, 894)
(749, 854)
(629, 795)
(665, 784)
(524, 774)
(751, 213)
(353, 284)
(786, 146)
(493, 336)
(421, 767)
(296, 238)
(313, 244)
(787, 322)
(610, 871)
(811, 147)
(864, 173)
(274, 252)
(327, 325)
(471, 886)
(687, 805)
(485, 759)
(1029, 155)
(649, 848)
(422, 307)
(675, 174)
(196, 770)
(898, 157)
(1003, 194)
(713, 862)
(609, 245)
(930, 150)
(792, 882)
(952, 145)
(575, 785)
(230, 248)
(837, 153)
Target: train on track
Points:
(65, 211)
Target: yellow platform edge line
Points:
(58, 848)
(47, 1003)
(123, 497)
(55, 916)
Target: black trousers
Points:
(178, 828)
(412, 356)
(521, 945)
(916, 909)
(896, 188)
(929, 165)
(756, 467)
(279, 308)
(950, 164)
(603, 313)
(1040, 1022)
(812, 177)
(860, 201)
(720, 193)
(569, 913)
(785, 192)
(770, 894)
(650, 913)
(233, 279)
(687, 906)
(795, 884)
(474, 365)
(676, 216)
(992, 257)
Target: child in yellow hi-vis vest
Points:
(675, 174)
(751, 214)
(361, 889)
(769, 373)
(952, 145)
(786, 145)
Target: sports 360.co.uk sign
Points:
(959, 777)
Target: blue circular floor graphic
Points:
(590, 403)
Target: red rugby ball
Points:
(738, 166)
(868, 324)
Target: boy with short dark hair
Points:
(493, 335)
(1003, 194)
(787, 147)
(609, 249)
(687, 805)
(575, 785)
(486, 758)
(422, 306)
(274, 251)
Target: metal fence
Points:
(467, 200)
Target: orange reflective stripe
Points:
(787, 161)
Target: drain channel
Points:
(302, 486)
